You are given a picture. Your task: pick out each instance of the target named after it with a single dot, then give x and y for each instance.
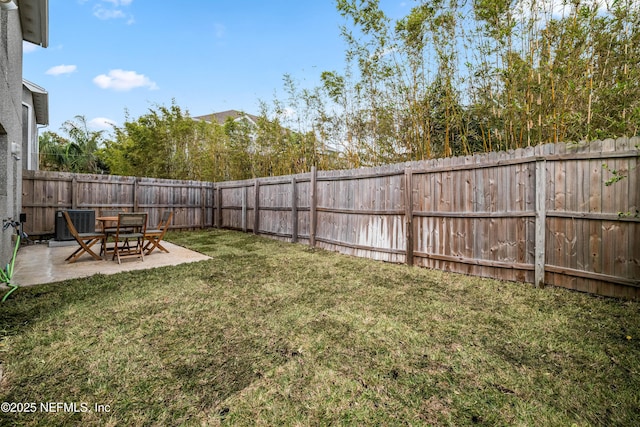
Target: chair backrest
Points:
(165, 216)
(133, 220)
(165, 219)
(70, 226)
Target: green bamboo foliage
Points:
(167, 143)
(456, 77)
(452, 77)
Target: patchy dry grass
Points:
(271, 333)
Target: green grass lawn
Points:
(272, 333)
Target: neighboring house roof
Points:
(34, 19)
(40, 102)
(222, 117)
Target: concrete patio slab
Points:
(39, 263)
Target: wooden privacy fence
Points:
(44, 193)
(541, 215)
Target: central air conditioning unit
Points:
(84, 220)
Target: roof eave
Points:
(40, 102)
(34, 19)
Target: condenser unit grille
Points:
(83, 219)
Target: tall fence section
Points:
(564, 214)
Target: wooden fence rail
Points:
(541, 215)
(548, 214)
(44, 193)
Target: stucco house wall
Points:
(10, 123)
(19, 20)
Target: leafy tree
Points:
(78, 151)
(241, 149)
(455, 77)
(452, 77)
(53, 152)
(165, 143)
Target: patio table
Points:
(104, 220)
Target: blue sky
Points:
(108, 56)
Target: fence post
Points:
(312, 207)
(408, 214)
(294, 210)
(74, 193)
(256, 208)
(218, 206)
(203, 207)
(541, 218)
(135, 194)
(245, 191)
(214, 201)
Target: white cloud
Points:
(61, 69)
(119, 2)
(28, 47)
(102, 123)
(104, 14)
(110, 9)
(551, 9)
(290, 113)
(122, 80)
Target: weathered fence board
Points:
(46, 192)
(543, 215)
(479, 214)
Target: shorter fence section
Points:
(44, 193)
